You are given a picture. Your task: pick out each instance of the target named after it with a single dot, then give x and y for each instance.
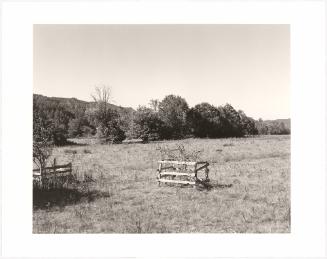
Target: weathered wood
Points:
(66, 173)
(133, 141)
(202, 167)
(176, 181)
(181, 168)
(58, 172)
(202, 162)
(207, 174)
(64, 168)
(168, 167)
(177, 162)
(177, 174)
(54, 167)
(159, 176)
(38, 173)
(49, 171)
(54, 164)
(61, 171)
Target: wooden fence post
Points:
(54, 179)
(195, 175)
(159, 171)
(71, 173)
(207, 173)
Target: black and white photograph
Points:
(161, 128)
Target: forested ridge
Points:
(170, 118)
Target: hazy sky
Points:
(247, 66)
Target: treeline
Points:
(273, 127)
(170, 118)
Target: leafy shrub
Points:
(146, 125)
(87, 131)
(111, 134)
(59, 137)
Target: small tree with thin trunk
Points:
(154, 104)
(106, 118)
(42, 138)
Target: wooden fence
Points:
(54, 175)
(182, 172)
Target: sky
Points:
(247, 66)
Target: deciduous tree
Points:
(173, 112)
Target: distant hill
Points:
(74, 104)
(69, 116)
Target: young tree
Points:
(173, 111)
(42, 137)
(106, 118)
(102, 98)
(154, 104)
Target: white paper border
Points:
(308, 128)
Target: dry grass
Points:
(250, 179)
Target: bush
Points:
(145, 125)
(112, 134)
(59, 137)
(87, 131)
(116, 135)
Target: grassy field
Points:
(250, 179)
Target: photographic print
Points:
(161, 128)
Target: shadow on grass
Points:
(202, 185)
(71, 143)
(212, 185)
(47, 198)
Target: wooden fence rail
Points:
(52, 175)
(53, 169)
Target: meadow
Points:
(118, 192)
